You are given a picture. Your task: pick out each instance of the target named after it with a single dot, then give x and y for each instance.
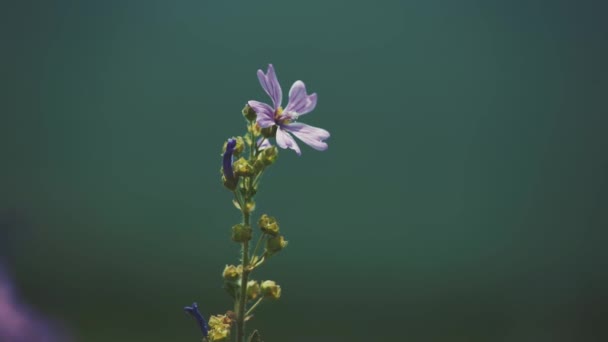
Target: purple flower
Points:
(18, 323)
(227, 161)
(299, 104)
(193, 311)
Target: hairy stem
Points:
(254, 306)
(240, 315)
(257, 245)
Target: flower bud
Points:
(237, 148)
(241, 233)
(240, 146)
(270, 132)
(242, 168)
(196, 314)
(268, 155)
(229, 179)
(275, 244)
(232, 273)
(220, 328)
(249, 113)
(270, 289)
(254, 129)
(222, 321)
(229, 183)
(258, 165)
(249, 206)
(253, 289)
(269, 225)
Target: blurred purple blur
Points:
(18, 323)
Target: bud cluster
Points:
(275, 242)
(261, 155)
(219, 328)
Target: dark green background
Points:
(462, 198)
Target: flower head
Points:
(193, 311)
(253, 289)
(232, 273)
(220, 328)
(300, 103)
(270, 289)
(269, 225)
(275, 244)
(228, 177)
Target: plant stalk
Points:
(240, 315)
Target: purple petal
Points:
(19, 323)
(299, 101)
(202, 324)
(227, 160)
(263, 143)
(311, 136)
(271, 85)
(284, 140)
(265, 113)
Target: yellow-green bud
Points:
(268, 155)
(269, 225)
(232, 273)
(249, 206)
(270, 289)
(241, 233)
(258, 165)
(275, 244)
(219, 328)
(253, 289)
(270, 132)
(254, 129)
(238, 148)
(229, 183)
(242, 168)
(249, 113)
(218, 335)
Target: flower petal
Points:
(265, 113)
(193, 311)
(310, 135)
(299, 101)
(227, 160)
(271, 85)
(284, 140)
(263, 143)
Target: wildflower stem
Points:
(240, 319)
(259, 262)
(257, 178)
(257, 245)
(238, 199)
(252, 151)
(254, 306)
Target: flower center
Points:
(282, 117)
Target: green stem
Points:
(260, 261)
(240, 319)
(256, 180)
(242, 298)
(238, 198)
(257, 245)
(252, 151)
(254, 306)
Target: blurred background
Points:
(463, 196)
